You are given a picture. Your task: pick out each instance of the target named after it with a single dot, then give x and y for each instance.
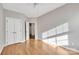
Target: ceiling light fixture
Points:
(35, 4)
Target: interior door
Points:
(18, 31)
(14, 31)
(9, 31)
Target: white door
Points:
(14, 31)
(9, 31)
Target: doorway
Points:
(31, 30)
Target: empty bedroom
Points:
(39, 28)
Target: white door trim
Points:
(27, 30)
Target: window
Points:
(57, 35)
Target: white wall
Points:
(68, 13)
(13, 14)
(16, 15)
(2, 27)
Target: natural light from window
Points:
(57, 35)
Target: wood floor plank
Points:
(35, 47)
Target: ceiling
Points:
(32, 9)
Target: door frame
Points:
(27, 30)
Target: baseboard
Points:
(72, 49)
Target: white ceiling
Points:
(30, 10)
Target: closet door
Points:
(14, 31)
(9, 31)
(18, 30)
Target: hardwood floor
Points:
(35, 47)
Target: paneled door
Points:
(14, 30)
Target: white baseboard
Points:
(1, 48)
(72, 49)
